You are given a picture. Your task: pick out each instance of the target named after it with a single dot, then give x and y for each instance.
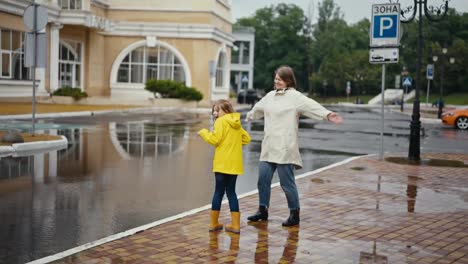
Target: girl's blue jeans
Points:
(287, 182)
(225, 183)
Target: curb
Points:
(25, 149)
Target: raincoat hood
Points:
(233, 119)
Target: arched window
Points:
(70, 64)
(147, 63)
(220, 67)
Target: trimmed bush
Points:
(76, 93)
(172, 89)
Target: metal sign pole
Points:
(427, 93)
(382, 113)
(34, 70)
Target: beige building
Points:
(110, 48)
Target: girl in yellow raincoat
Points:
(227, 137)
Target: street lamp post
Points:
(429, 11)
(442, 72)
(358, 82)
(325, 83)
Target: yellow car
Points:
(457, 118)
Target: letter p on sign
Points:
(386, 23)
(385, 26)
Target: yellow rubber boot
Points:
(214, 224)
(235, 224)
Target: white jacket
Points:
(281, 112)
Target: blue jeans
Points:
(287, 182)
(225, 183)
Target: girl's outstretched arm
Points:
(214, 137)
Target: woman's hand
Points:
(248, 117)
(335, 118)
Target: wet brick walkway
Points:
(365, 211)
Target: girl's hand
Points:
(335, 118)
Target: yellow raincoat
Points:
(227, 137)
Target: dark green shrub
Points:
(76, 93)
(172, 89)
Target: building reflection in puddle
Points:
(145, 139)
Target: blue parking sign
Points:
(385, 28)
(430, 72)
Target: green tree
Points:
(281, 34)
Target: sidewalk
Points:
(363, 211)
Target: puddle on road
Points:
(398, 197)
(428, 162)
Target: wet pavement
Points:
(364, 211)
(118, 172)
(122, 171)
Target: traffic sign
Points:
(407, 81)
(37, 49)
(41, 17)
(383, 55)
(430, 72)
(385, 28)
(245, 79)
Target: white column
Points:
(53, 161)
(39, 168)
(54, 56)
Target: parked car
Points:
(250, 98)
(457, 118)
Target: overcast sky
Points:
(354, 10)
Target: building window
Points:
(12, 55)
(70, 64)
(245, 52)
(70, 4)
(220, 69)
(145, 63)
(235, 53)
(241, 52)
(239, 80)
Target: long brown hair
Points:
(286, 74)
(224, 105)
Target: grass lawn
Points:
(351, 99)
(31, 138)
(26, 108)
(452, 99)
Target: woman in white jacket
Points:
(281, 109)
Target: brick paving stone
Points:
(385, 213)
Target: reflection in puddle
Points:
(317, 180)
(418, 196)
(428, 162)
(143, 139)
